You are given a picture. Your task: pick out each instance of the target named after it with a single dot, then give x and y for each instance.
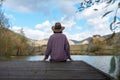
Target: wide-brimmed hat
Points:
(57, 27)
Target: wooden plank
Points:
(36, 70)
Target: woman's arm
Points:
(67, 49)
(48, 50)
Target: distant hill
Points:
(87, 39)
(107, 37)
(75, 41)
(71, 41)
(44, 42)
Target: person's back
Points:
(58, 46)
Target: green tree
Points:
(115, 23)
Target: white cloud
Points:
(42, 6)
(98, 23)
(32, 33)
(16, 29)
(79, 36)
(67, 6)
(39, 34)
(86, 34)
(43, 30)
(44, 25)
(68, 22)
(78, 27)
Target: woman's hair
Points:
(57, 32)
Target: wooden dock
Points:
(37, 70)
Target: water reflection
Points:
(115, 66)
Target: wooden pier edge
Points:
(103, 73)
(33, 68)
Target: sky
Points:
(36, 17)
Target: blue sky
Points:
(37, 16)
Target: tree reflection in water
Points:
(115, 66)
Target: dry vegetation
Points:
(13, 43)
(106, 46)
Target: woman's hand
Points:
(71, 59)
(44, 60)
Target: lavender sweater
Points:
(58, 47)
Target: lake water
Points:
(100, 62)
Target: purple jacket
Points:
(58, 47)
